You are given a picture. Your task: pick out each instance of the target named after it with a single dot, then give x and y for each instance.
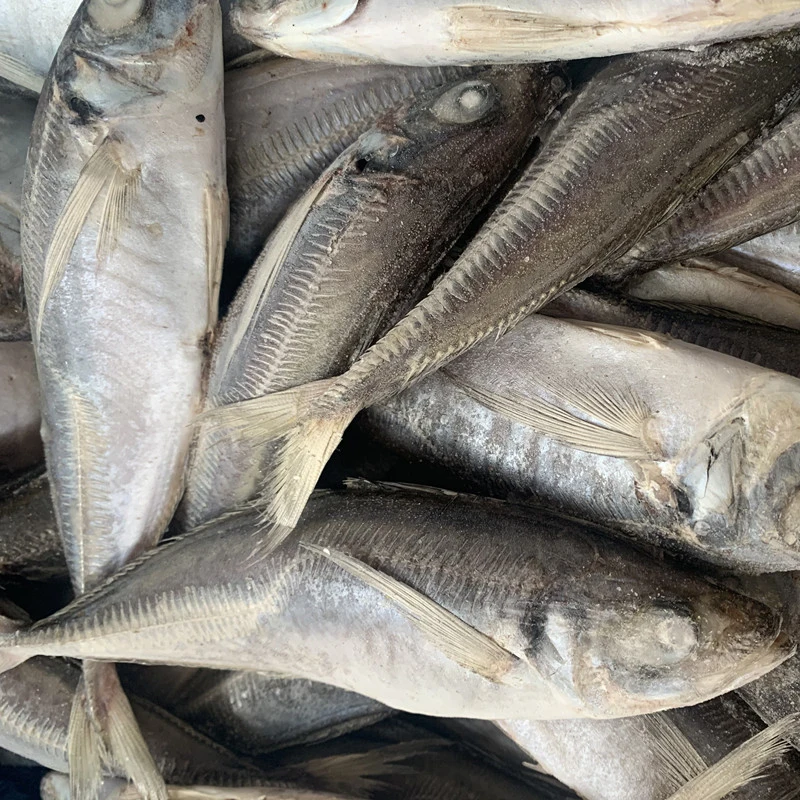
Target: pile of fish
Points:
(399, 399)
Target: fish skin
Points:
(665, 497)
(758, 194)
(478, 31)
(556, 595)
(567, 216)
(378, 223)
(774, 256)
(34, 716)
(255, 713)
(625, 759)
(286, 122)
(767, 346)
(711, 283)
(29, 542)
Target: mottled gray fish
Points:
(427, 602)
(573, 209)
(480, 31)
(354, 254)
(758, 194)
(673, 444)
(287, 120)
(121, 265)
(710, 283)
(770, 347)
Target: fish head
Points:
(262, 20)
(650, 637)
(124, 53)
(742, 479)
(447, 137)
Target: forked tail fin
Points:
(103, 732)
(12, 619)
(309, 433)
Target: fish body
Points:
(710, 283)
(480, 31)
(652, 756)
(288, 120)
(758, 194)
(774, 256)
(672, 444)
(34, 721)
(569, 213)
(29, 542)
(121, 258)
(427, 602)
(768, 346)
(354, 253)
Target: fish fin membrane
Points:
(215, 212)
(21, 74)
(617, 424)
(745, 764)
(104, 732)
(458, 640)
(103, 171)
(676, 754)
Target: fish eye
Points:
(465, 103)
(114, 15)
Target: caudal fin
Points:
(103, 732)
(12, 619)
(309, 437)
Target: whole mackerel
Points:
(427, 602)
(504, 31)
(606, 174)
(756, 195)
(354, 254)
(672, 444)
(288, 120)
(121, 264)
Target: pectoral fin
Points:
(215, 211)
(459, 641)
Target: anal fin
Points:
(458, 640)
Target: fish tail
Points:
(12, 619)
(104, 731)
(298, 464)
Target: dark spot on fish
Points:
(683, 501)
(201, 117)
(83, 108)
(360, 165)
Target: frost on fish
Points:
(573, 415)
(483, 610)
(351, 255)
(115, 266)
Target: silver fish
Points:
(570, 212)
(121, 258)
(654, 756)
(427, 602)
(767, 346)
(710, 283)
(698, 455)
(481, 31)
(354, 253)
(756, 195)
(287, 120)
(774, 256)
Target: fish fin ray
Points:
(741, 766)
(455, 638)
(101, 171)
(122, 188)
(86, 751)
(678, 757)
(617, 428)
(215, 212)
(21, 74)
